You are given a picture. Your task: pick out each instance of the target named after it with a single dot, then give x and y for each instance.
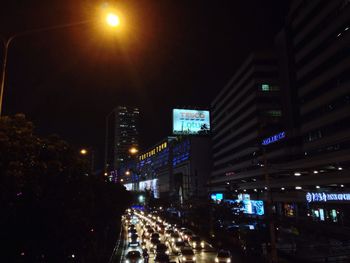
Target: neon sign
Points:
(325, 197)
(274, 138)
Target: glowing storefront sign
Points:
(217, 197)
(190, 121)
(150, 185)
(154, 151)
(128, 187)
(274, 138)
(325, 197)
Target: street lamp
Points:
(83, 151)
(111, 19)
(133, 150)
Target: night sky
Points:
(170, 53)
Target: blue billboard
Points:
(191, 121)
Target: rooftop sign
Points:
(187, 121)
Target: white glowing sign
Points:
(190, 121)
(150, 185)
(128, 186)
(325, 197)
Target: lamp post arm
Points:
(7, 42)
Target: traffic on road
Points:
(151, 239)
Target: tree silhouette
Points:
(51, 209)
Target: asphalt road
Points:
(206, 255)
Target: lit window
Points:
(274, 113)
(265, 87)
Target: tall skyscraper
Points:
(122, 125)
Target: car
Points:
(155, 235)
(187, 255)
(132, 232)
(186, 234)
(168, 232)
(175, 237)
(143, 245)
(178, 245)
(133, 256)
(154, 242)
(223, 256)
(162, 249)
(134, 240)
(196, 242)
(161, 258)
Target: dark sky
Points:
(168, 53)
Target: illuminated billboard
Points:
(191, 121)
(151, 185)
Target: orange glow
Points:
(112, 20)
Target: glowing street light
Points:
(133, 150)
(83, 151)
(112, 20)
(127, 173)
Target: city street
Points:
(139, 220)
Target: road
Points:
(206, 255)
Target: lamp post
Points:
(111, 19)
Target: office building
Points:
(122, 133)
(304, 157)
(246, 111)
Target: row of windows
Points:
(319, 27)
(331, 62)
(343, 78)
(328, 149)
(248, 79)
(328, 130)
(338, 103)
(243, 109)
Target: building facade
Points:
(247, 110)
(175, 169)
(301, 160)
(122, 133)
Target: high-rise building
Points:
(122, 125)
(247, 110)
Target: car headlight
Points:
(216, 260)
(228, 260)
